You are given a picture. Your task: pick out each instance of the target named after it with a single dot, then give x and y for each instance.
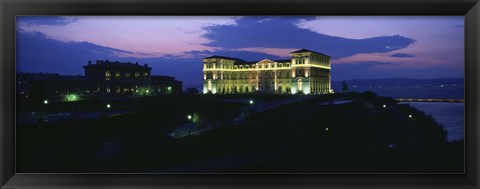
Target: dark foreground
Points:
(343, 133)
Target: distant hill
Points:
(401, 82)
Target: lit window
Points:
(127, 74)
(107, 75)
(137, 74)
(117, 74)
(145, 74)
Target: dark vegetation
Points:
(362, 137)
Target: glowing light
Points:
(410, 116)
(384, 106)
(108, 106)
(189, 117)
(45, 102)
(326, 129)
(72, 97)
(251, 101)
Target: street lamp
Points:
(251, 101)
(108, 106)
(189, 117)
(410, 115)
(45, 102)
(384, 106)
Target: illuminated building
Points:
(103, 79)
(306, 72)
(118, 79)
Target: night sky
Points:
(361, 47)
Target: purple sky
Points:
(362, 47)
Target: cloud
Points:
(283, 33)
(37, 53)
(279, 52)
(144, 36)
(402, 55)
(434, 36)
(46, 20)
(247, 55)
(361, 48)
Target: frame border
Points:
(10, 8)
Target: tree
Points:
(38, 92)
(192, 90)
(344, 87)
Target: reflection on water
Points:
(449, 115)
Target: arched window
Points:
(300, 85)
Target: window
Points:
(107, 75)
(127, 74)
(137, 74)
(117, 74)
(145, 74)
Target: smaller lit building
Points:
(104, 79)
(119, 79)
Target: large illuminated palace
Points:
(307, 72)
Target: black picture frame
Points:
(9, 9)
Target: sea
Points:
(451, 115)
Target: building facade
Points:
(119, 79)
(306, 72)
(104, 79)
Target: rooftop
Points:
(224, 57)
(306, 50)
(103, 63)
(240, 61)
